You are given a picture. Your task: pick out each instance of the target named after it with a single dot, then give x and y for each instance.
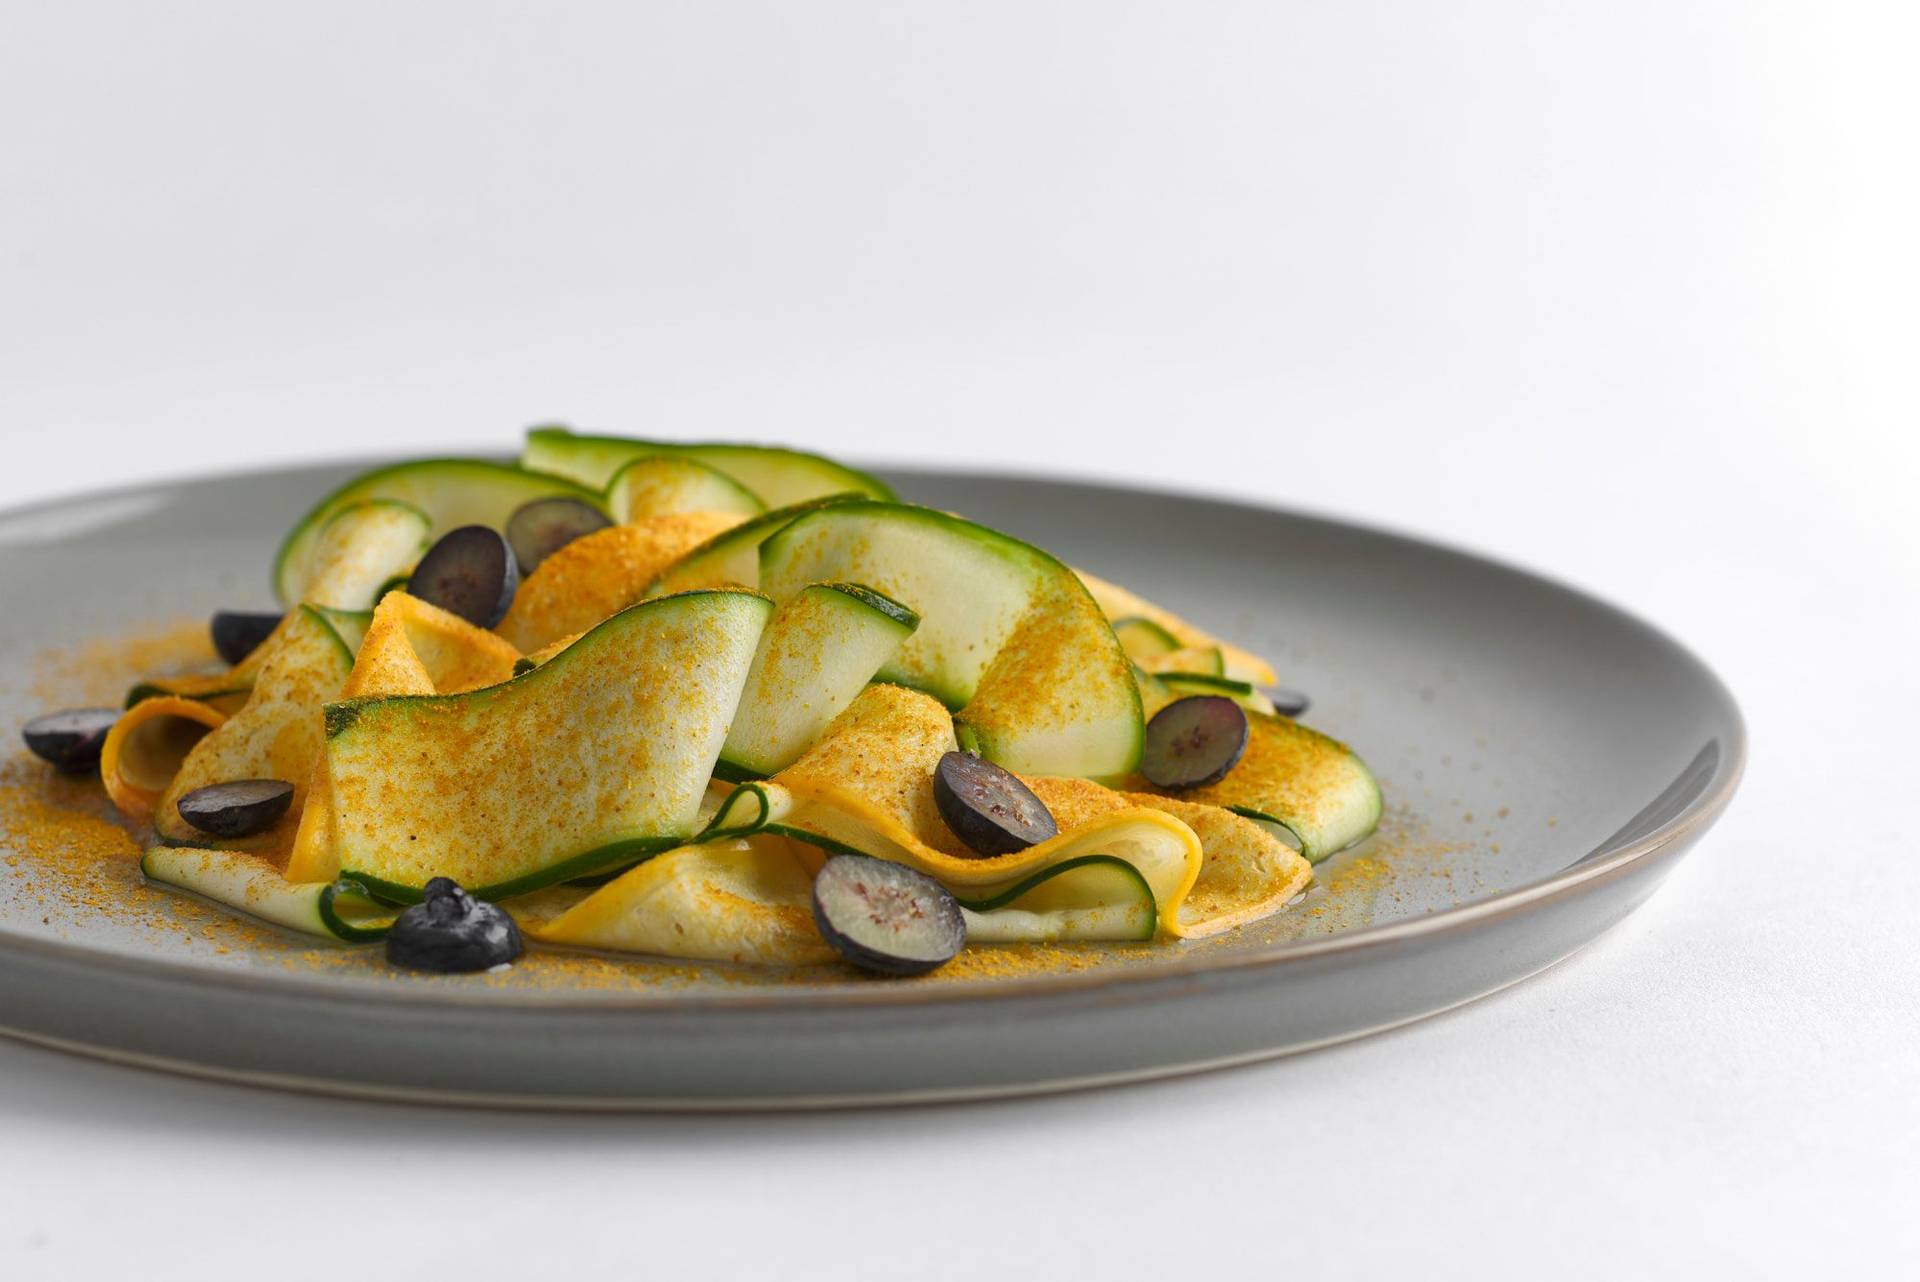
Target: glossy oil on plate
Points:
(1545, 760)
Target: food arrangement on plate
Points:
(714, 702)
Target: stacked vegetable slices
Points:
(712, 670)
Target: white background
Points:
(1623, 291)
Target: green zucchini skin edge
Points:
(869, 485)
(328, 916)
(969, 736)
(765, 526)
(1006, 897)
(309, 525)
(905, 616)
(340, 717)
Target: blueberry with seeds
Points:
(987, 807)
(1193, 742)
(885, 917)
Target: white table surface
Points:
(1622, 292)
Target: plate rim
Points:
(1680, 830)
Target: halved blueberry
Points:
(538, 529)
(470, 572)
(451, 931)
(988, 808)
(71, 739)
(238, 633)
(242, 808)
(885, 917)
(1194, 741)
(1288, 703)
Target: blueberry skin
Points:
(71, 739)
(242, 808)
(538, 529)
(1193, 742)
(452, 932)
(238, 633)
(470, 572)
(1288, 703)
(987, 807)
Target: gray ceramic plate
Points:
(1545, 758)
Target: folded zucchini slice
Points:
(867, 786)
(590, 578)
(333, 910)
(450, 492)
(1008, 635)
(1148, 629)
(1297, 781)
(361, 547)
(653, 485)
(276, 735)
(779, 477)
(1092, 897)
(738, 901)
(818, 652)
(732, 557)
(1158, 689)
(598, 758)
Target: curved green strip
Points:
(1007, 897)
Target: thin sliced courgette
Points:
(718, 901)
(1158, 689)
(1009, 637)
(1299, 783)
(779, 477)
(361, 547)
(451, 492)
(276, 735)
(1093, 897)
(655, 485)
(818, 652)
(732, 558)
(331, 909)
(595, 759)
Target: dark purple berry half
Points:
(470, 572)
(243, 808)
(885, 917)
(538, 529)
(988, 808)
(1193, 742)
(71, 739)
(450, 931)
(1288, 703)
(238, 633)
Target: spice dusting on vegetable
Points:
(876, 735)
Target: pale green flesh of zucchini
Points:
(1096, 897)
(332, 910)
(733, 557)
(1158, 689)
(596, 758)
(1143, 638)
(780, 477)
(1008, 636)
(818, 652)
(653, 485)
(360, 548)
(452, 493)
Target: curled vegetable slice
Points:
(146, 747)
